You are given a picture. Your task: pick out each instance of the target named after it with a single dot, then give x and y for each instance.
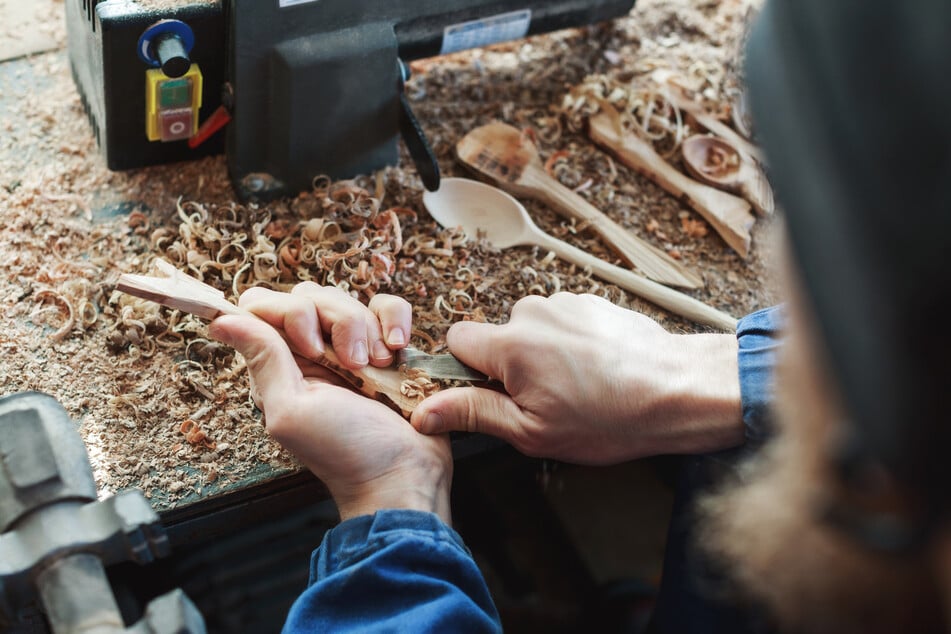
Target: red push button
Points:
(176, 124)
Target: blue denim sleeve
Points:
(394, 571)
(759, 337)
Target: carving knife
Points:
(438, 366)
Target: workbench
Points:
(70, 227)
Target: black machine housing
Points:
(313, 86)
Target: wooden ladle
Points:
(481, 208)
(510, 159)
(716, 162)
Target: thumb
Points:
(469, 409)
(477, 345)
(270, 361)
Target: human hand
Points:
(366, 454)
(592, 383)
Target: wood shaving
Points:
(163, 408)
(417, 384)
(692, 226)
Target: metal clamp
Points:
(56, 539)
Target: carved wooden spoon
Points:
(510, 159)
(716, 162)
(480, 208)
(730, 215)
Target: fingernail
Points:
(359, 353)
(432, 422)
(396, 337)
(380, 351)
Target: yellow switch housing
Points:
(172, 104)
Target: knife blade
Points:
(438, 366)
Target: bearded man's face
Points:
(767, 530)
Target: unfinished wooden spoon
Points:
(482, 209)
(715, 162)
(510, 159)
(728, 214)
(682, 99)
(742, 117)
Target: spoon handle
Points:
(667, 298)
(755, 188)
(652, 262)
(728, 214)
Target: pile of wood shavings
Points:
(163, 408)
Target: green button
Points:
(175, 93)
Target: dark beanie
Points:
(852, 103)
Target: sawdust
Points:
(26, 28)
(161, 407)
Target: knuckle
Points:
(297, 305)
(392, 307)
(306, 288)
(253, 294)
(567, 301)
(402, 304)
(377, 302)
(336, 292)
(346, 330)
(528, 304)
(385, 300)
(471, 414)
(509, 342)
(596, 300)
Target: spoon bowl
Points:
(485, 210)
(719, 163)
(712, 160)
(505, 155)
(480, 209)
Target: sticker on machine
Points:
(485, 31)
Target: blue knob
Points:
(166, 45)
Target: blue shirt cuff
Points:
(357, 538)
(759, 336)
(394, 571)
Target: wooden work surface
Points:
(131, 378)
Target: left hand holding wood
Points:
(366, 454)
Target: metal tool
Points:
(313, 87)
(56, 539)
(438, 366)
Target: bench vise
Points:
(302, 87)
(56, 539)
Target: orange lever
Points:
(218, 119)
